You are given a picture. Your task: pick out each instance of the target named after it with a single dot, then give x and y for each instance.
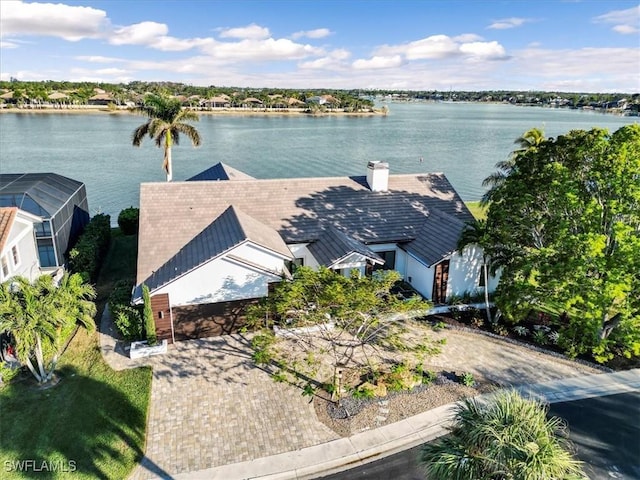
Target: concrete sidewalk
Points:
(346, 453)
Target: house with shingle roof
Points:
(210, 246)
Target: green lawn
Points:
(479, 212)
(94, 420)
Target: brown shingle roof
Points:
(7, 215)
(171, 214)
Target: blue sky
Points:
(571, 46)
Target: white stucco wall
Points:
(300, 250)
(225, 279)
(22, 237)
(464, 272)
(421, 276)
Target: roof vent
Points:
(378, 176)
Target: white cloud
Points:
(55, 20)
(333, 61)
(623, 21)
(317, 33)
(625, 29)
(484, 50)
(260, 50)
(581, 67)
(98, 59)
(438, 47)
(8, 44)
(250, 32)
(378, 63)
(468, 37)
(143, 33)
(154, 35)
(506, 23)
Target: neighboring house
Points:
(101, 99)
(56, 204)
(220, 171)
(18, 253)
(207, 248)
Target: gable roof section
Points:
(41, 194)
(334, 246)
(297, 208)
(220, 171)
(437, 239)
(227, 231)
(7, 216)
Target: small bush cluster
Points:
(88, 254)
(127, 318)
(147, 316)
(128, 220)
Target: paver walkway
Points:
(210, 406)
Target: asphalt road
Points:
(604, 430)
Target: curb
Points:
(365, 447)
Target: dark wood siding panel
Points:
(209, 320)
(162, 315)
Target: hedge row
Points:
(89, 252)
(126, 317)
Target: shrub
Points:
(364, 391)
(440, 325)
(147, 317)
(540, 337)
(126, 317)
(87, 255)
(7, 373)
(401, 378)
(467, 379)
(128, 220)
(427, 376)
(521, 331)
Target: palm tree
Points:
(532, 138)
(507, 438)
(477, 233)
(166, 123)
(36, 313)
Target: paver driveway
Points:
(211, 406)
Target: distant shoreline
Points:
(101, 110)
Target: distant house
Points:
(207, 248)
(55, 205)
(101, 99)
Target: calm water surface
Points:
(462, 140)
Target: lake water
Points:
(462, 140)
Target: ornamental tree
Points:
(332, 321)
(565, 227)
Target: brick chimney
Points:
(378, 176)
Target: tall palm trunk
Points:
(485, 273)
(167, 157)
(33, 370)
(40, 359)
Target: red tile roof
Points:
(7, 215)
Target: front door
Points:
(440, 282)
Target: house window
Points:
(389, 258)
(46, 253)
(481, 279)
(292, 265)
(42, 229)
(5, 266)
(14, 253)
